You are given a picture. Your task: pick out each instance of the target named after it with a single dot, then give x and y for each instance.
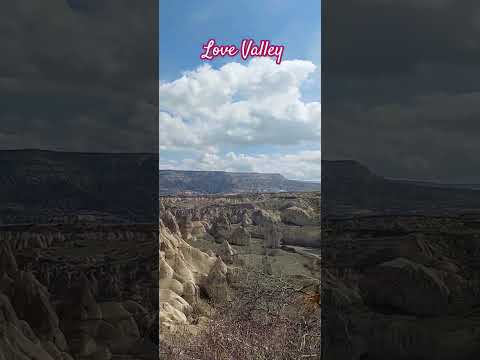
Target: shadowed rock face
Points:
(78, 255)
(349, 187)
(400, 275)
(45, 186)
(400, 287)
(78, 291)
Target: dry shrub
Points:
(268, 318)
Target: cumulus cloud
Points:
(217, 114)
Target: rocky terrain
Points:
(81, 291)
(401, 287)
(78, 256)
(350, 188)
(296, 215)
(217, 182)
(47, 186)
(400, 269)
(208, 243)
(84, 289)
(233, 276)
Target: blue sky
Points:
(186, 25)
(286, 94)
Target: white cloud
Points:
(175, 133)
(209, 112)
(303, 165)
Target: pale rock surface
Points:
(227, 252)
(199, 229)
(186, 227)
(221, 229)
(182, 269)
(261, 217)
(170, 222)
(246, 220)
(241, 237)
(271, 234)
(216, 284)
(296, 216)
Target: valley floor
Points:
(262, 301)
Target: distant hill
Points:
(218, 182)
(37, 186)
(348, 186)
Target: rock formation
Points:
(260, 217)
(394, 286)
(216, 284)
(296, 216)
(241, 237)
(199, 229)
(186, 227)
(57, 304)
(170, 222)
(227, 253)
(272, 235)
(221, 229)
(232, 255)
(246, 220)
(183, 268)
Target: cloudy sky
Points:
(234, 115)
(402, 91)
(79, 75)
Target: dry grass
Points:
(269, 318)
